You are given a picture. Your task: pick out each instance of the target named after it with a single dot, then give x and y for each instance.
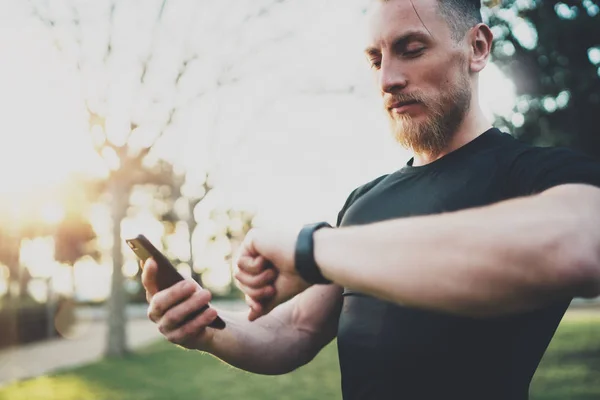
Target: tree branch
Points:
(263, 11)
(78, 39)
(146, 62)
(37, 14)
(111, 21)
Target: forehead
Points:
(394, 18)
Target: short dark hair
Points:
(461, 15)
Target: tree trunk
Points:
(22, 282)
(191, 223)
(116, 345)
(12, 294)
(73, 284)
(50, 309)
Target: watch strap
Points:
(305, 254)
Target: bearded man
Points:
(445, 279)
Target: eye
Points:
(414, 52)
(375, 64)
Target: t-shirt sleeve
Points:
(537, 169)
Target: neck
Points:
(473, 125)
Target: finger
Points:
(189, 331)
(258, 294)
(254, 304)
(252, 265)
(257, 311)
(179, 314)
(265, 278)
(248, 248)
(149, 272)
(256, 308)
(164, 300)
(254, 315)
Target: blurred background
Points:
(191, 121)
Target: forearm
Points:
(265, 346)
(283, 340)
(509, 257)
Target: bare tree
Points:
(135, 105)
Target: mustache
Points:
(401, 98)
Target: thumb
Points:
(254, 315)
(149, 273)
(257, 309)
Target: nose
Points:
(392, 78)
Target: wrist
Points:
(321, 238)
(304, 257)
(204, 344)
(212, 340)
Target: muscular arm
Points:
(287, 338)
(512, 256)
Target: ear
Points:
(481, 38)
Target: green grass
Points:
(163, 371)
(570, 370)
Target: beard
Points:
(445, 113)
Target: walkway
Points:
(85, 344)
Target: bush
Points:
(28, 321)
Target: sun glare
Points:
(53, 213)
(92, 280)
(43, 138)
(130, 268)
(38, 256)
(38, 290)
(497, 92)
(144, 223)
(218, 278)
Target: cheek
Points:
(444, 73)
(458, 73)
(431, 77)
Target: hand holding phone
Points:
(167, 274)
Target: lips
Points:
(401, 105)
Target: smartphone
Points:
(167, 274)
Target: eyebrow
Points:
(399, 41)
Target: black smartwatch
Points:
(305, 254)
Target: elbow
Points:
(582, 267)
(298, 362)
(586, 279)
(299, 355)
(574, 243)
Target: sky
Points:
(294, 125)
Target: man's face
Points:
(422, 71)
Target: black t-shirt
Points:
(388, 351)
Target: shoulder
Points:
(358, 193)
(533, 169)
(361, 190)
